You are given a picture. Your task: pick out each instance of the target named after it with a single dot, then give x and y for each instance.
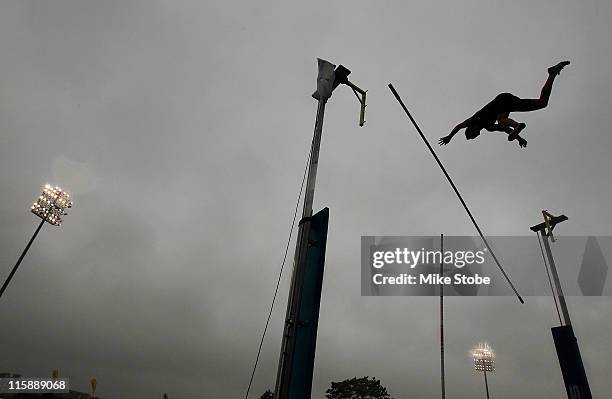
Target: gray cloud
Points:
(195, 119)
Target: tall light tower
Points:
(484, 360)
(50, 207)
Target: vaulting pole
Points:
(456, 192)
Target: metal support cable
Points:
(279, 275)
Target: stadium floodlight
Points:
(484, 360)
(50, 207)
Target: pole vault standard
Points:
(566, 344)
(456, 192)
(545, 230)
(296, 361)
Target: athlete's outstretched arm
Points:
(446, 139)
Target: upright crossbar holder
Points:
(549, 227)
(550, 221)
(362, 101)
(341, 74)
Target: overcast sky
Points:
(182, 129)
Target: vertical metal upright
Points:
(566, 344)
(296, 361)
(314, 159)
(285, 378)
(442, 381)
(545, 230)
(556, 280)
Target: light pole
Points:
(50, 207)
(484, 360)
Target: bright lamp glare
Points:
(484, 358)
(51, 205)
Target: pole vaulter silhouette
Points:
(494, 116)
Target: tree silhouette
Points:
(267, 395)
(357, 388)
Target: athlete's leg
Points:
(513, 133)
(510, 126)
(504, 121)
(499, 128)
(533, 104)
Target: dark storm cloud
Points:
(183, 128)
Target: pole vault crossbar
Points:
(456, 192)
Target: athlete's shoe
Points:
(556, 69)
(516, 131)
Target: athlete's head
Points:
(472, 130)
